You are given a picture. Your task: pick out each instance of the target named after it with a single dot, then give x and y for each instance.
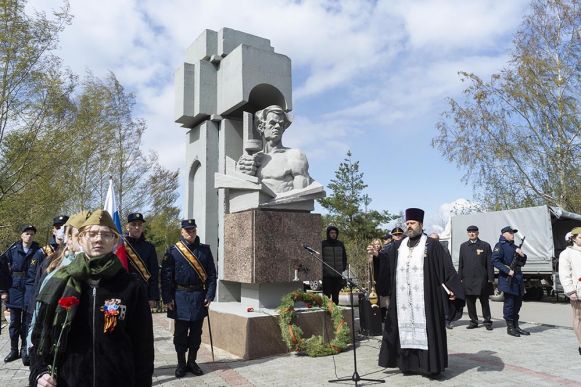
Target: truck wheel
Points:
(498, 296)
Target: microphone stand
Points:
(355, 377)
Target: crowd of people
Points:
(80, 307)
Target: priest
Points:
(421, 279)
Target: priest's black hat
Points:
(416, 214)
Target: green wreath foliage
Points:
(315, 345)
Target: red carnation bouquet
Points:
(66, 303)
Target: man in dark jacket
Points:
(335, 256)
(509, 259)
(188, 286)
(17, 259)
(142, 257)
(477, 274)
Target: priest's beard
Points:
(412, 233)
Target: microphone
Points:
(310, 250)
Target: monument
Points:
(251, 196)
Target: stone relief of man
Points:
(280, 168)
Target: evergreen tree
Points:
(347, 205)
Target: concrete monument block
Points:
(229, 39)
(247, 69)
(255, 335)
(195, 93)
(203, 48)
(263, 247)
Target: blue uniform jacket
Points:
(18, 262)
(502, 256)
(177, 272)
(146, 252)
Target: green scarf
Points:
(67, 282)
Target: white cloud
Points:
(360, 67)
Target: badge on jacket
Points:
(113, 311)
(479, 251)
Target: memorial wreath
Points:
(315, 345)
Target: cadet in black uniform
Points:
(17, 260)
(142, 257)
(188, 286)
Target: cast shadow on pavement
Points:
(166, 373)
(483, 361)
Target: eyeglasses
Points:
(104, 235)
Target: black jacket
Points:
(123, 357)
(333, 254)
(475, 267)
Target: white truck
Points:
(544, 228)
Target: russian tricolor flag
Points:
(111, 207)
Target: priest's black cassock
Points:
(438, 270)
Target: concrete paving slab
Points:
(548, 357)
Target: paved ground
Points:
(548, 357)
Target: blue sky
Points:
(370, 76)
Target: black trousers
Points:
(188, 336)
(18, 327)
(512, 305)
(471, 306)
(331, 288)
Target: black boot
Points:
(12, 355)
(192, 365)
(181, 368)
(519, 330)
(510, 328)
(24, 356)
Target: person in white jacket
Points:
(570, 277)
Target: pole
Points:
(210, 333)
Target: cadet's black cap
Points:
(472, 228)
(135, 217)
(60, 220)
(508, 229)
(27, 227)
(189, 223)
(397, 231)
(386, 236)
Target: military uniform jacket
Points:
(18, 263)
(475, 268)
(502, 256)
(146, 252)
(180, 282)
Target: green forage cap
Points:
(100, 218)
(77, 219)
